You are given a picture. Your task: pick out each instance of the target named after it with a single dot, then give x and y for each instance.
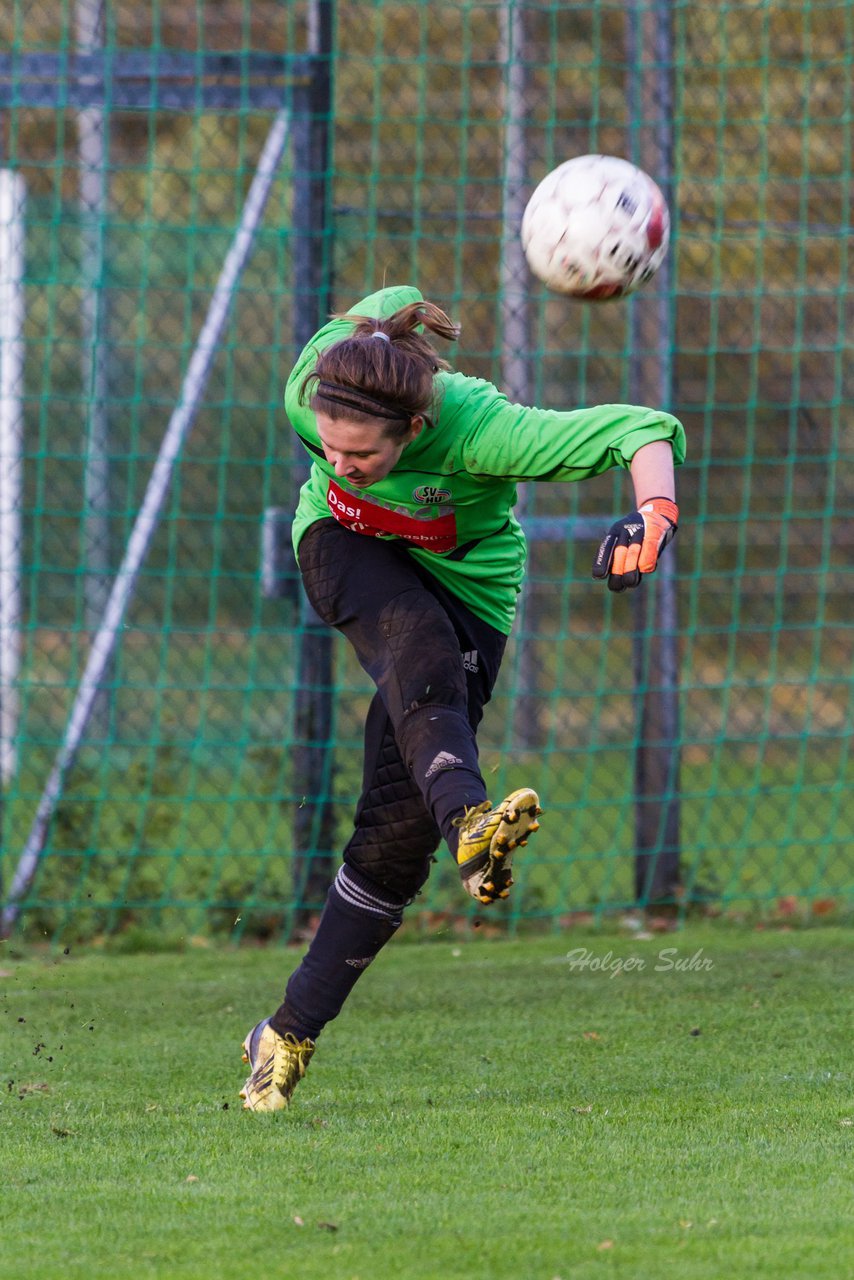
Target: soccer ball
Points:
(596, 227)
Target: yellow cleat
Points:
(487, 839)
(277, 1063)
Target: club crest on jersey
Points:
(430, 495)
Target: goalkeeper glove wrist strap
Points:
(664, 507)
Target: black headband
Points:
(350, 398)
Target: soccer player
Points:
(407, 544)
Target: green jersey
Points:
(449, 498)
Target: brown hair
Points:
(384, 370)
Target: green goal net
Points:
(163, 255)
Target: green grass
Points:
(481, 1109)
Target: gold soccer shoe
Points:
(277, 1064)
(488, 837)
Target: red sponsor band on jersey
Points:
(364, 515)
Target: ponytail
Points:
(402, 326)
(383, 370)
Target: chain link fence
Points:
(705, 729)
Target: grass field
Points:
(481, 1109)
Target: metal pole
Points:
(12, 231)
(657, 817)
(515, 294)
(313, 826)
(516, 370)
(93, 208)
(145, 524)
(14, 506)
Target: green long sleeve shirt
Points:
(449, 499)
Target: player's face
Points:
(360, 452)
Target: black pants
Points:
(434, 664)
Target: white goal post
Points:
(148, 515)
(12, 204)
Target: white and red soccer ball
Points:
(596, 227)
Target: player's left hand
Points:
(632, 545)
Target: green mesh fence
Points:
(215, 777)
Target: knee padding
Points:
(394, 838)
(425, 651)
(403, 875)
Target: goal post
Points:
(12, 207)
(177, 431)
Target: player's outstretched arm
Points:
(632, 545)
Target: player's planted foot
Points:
(277, 1063)
(487, 839)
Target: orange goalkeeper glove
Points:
(632, 545)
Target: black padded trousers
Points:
(434, 664)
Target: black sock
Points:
(450, 793)
(358, 920)
(440, 750)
